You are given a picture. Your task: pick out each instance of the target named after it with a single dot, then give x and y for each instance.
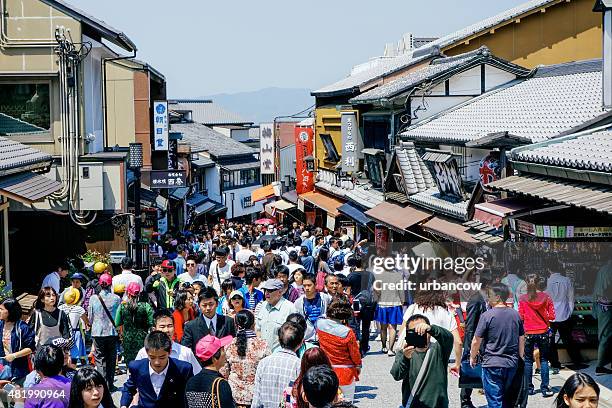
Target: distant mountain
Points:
(266, 104)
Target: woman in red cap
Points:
(136, 318)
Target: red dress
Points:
(179, 323)
(341, 346)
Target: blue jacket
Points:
(22, 336)
(172, 393)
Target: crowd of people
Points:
(251, 316)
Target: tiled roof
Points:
(383, 68)
(437, 71)
(592, 151)
(556, 100)
(207, 112)
(14, 155)
(417, 177)
(363, 195)
(431, 200)
(488, 23)
(202, 138)
(28, 186)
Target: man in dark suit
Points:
(209, 319)
(159, 380)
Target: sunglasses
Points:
(191, 264)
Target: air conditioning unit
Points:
(91, 186)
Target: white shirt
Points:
(219, 276)
(243, 255)
(125, 278)
(179, 352)
(52, 280)
(214, 322)
(157, 380)
(561, 291)
(439, 316)
(186, 277)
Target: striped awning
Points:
(574, 193)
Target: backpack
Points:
(338, 256)
(366, 296)
(320, 281)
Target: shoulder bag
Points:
(108, 314)
(419, 379)
(215, 393)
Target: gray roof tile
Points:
(431, 199)
(202, 138)
(10, 126)
(555, 100)
(207, 112)
(358, 79)
(14, 155)
(417, 177)
(592, 151)
(29, 186)
(438, 70)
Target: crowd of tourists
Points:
(240, 315)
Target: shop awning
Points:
(208, 206)
(494, 212)
(291, 196)
(179, 193)
(449, 230)
(203, 162)
(218, 210)
(354, 213)
(280, 205)
(28, 187)
(324, 202)
(263, 193)
(151, 199)
(574, 193)
(397, 217)
(196, 199)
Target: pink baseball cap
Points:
(209, 345)
(105, 280)
(133, 289)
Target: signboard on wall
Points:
(168, 178)
(266, 147)
(351, 142)
(331, 222)
(160, 125)
(304, 137)
(173, 154)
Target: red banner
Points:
(304, 137)
(381, 239)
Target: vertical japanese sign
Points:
(266, 143)
(173, 154)
(304, 148)
(381, 239)
(351, 140)
(160, 125)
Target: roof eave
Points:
(115, 36)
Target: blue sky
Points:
(205, 47)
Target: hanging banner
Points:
(304, 148)
(266, 147)
(350, 142)
(381, 239)
(160, 125)
(173, 154)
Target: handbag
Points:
(215, 394)
(6, 372)
(470, 377)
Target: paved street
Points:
(378, 389)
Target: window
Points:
(240, 178)
(375, 164)
(202, 181)
(331, 154)
(25, 108)
(376, 130)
